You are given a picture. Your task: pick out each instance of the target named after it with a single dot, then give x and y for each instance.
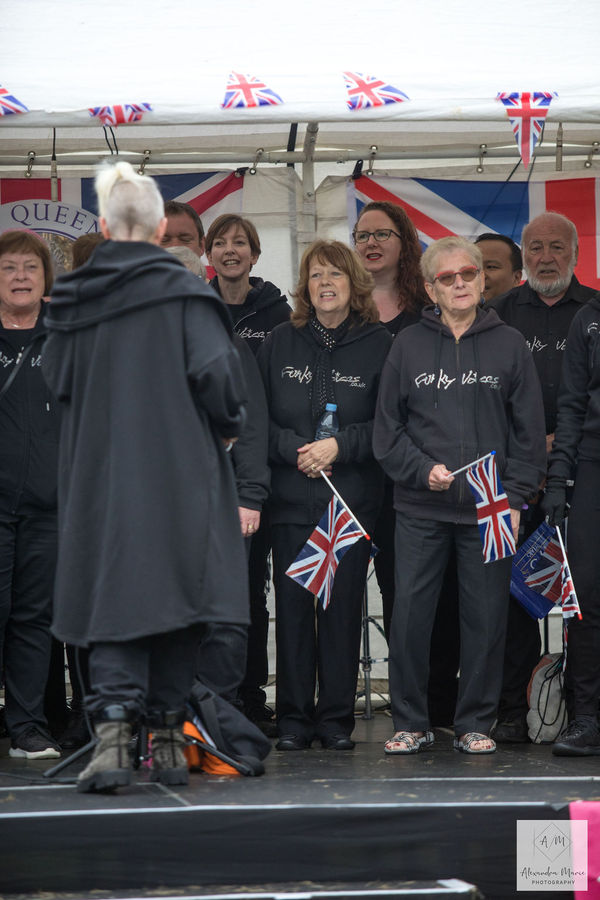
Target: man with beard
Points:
(542, 309)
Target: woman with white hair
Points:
(140, 356)
(454, 387)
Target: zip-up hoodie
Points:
(28, 426)
(287, 363)
(447, 400)
(263, 309)
(578, 428)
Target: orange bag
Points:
(200, 755)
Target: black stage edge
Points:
(316, 817)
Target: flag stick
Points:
(344, 504)
(474, 463)
(566, 562)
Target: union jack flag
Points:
(315, 566)
(247, 91)
(548, 580)
(493, 511)
(9, 104)
(568, 597)
(527, 111)
(122, 114)
(365, 91)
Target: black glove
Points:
(554, 502)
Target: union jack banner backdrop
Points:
(315, 566)
(493, 511)
(536, 579)
(527, 112)
(9, 105)
(248, 91)
(123, 114)
(365, 91)
(443, 207)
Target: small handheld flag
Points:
(315, 566)
(536, 578)
(493, 511)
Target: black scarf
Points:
(322, 391)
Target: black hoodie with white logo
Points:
(450, 401)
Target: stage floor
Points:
(316, 816)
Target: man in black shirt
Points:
(542, 310)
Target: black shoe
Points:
(580, 738)
(262, 717)
(511, 731)
(32, 743)
(292, 742)
(76, 734)
(337, 742)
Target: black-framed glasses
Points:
(381, 235)
(467, 273)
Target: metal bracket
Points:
(30, 162)
(144, 162)
(559, 147)
(259, 153)
(372, 155)
(482, 155)
(595, 147)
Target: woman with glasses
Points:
(454, 387)
(388, 245)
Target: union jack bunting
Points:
(9, 105)
(493, 511)
(365, 91)
(123, 114)
(315, 566)
(247, 91)
(527, 111)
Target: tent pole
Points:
(308, 232)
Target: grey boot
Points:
(169, 765)
(110, 765)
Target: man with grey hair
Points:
(542, 309)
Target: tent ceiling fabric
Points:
(450, 59)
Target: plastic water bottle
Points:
(328, 424)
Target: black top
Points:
(263, 309)
(545, 329)
(449, 401)
(28, 425)
(578, 427)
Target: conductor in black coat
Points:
(140, 355)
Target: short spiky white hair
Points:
(130, 203)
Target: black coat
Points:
(287, 361)
(140, 356)
(448, 401)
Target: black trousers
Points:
(317, 645)
(149, 674)
(27, 566)
(257, 660)
(422, 551)
(583, 653)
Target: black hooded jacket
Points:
(449, 401)
(263, 309)
(287, 360)
(140, 356)
(578, 428)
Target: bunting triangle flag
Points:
(121, 114)
(247, 91)
(527, 111)
(9, 105)
(365, 91)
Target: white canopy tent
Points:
(450, 59)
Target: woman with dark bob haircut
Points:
(28, 473)
(332, 351)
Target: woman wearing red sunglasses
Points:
(455, 386)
